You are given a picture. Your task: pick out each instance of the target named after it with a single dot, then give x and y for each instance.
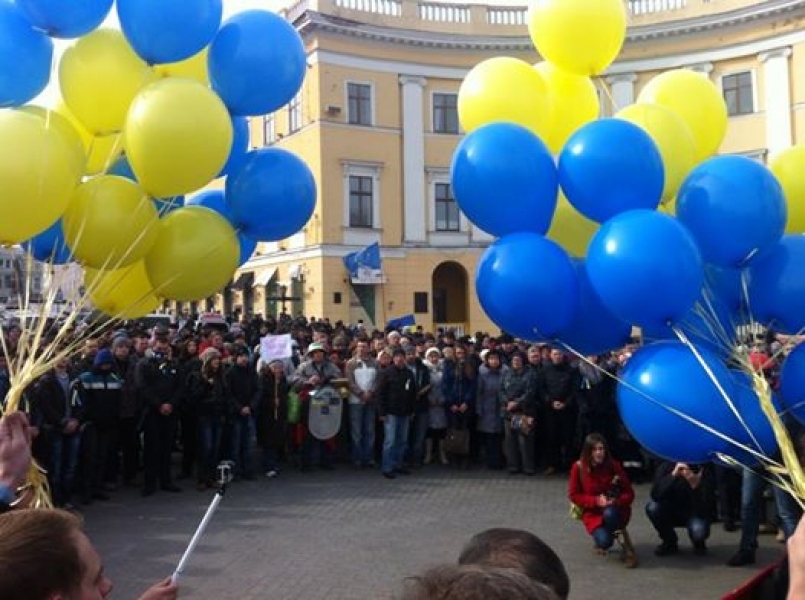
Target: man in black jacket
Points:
(396, 398)
(244, 385)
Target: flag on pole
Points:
(365, 266)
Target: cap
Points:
(314, 347)
(104, 357)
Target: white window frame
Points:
(753, 77)
(362, 235)
(433, 95)
(295, 113)
(372, 97)
(444, 238)
(269, 129)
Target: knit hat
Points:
(432, 350)
(104, 357)
(208, 355)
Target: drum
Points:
(324, 419)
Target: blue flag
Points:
(365, 265)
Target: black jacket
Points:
(396, 392)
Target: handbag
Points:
(576, 511)
(520, 423)
(457, 442)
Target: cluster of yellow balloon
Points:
(148, 113)
(789, 168)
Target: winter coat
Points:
(518, 386)
(101, 393)
(487, 399)
(271, 417)
(396, 392)
(437, 419)
(209, 397)
(588, 483)
(244, 387)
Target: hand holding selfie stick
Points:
(224, 477)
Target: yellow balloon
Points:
(697, 100)
(110, 223)
(121, 293)
(789, 168)
(99, 151)
(37, 175)
(570, 229)
(580, 36)
(67, 130)
(195, 255)
(99, 76)
(178, 137)
(504, 89)
(673, 138)
(194, 67)
(573, 102)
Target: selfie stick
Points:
(224, 477)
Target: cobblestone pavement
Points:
(352, 534)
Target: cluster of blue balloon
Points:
(169, 98)
(688, 281)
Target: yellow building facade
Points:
(376, 123)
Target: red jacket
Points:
(586, 484)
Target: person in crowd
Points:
(272, 415)
(242, 384)
(396, 398)
(311, 376)
(470, 582)
(458, 386)
(597, 408)
(521, 550)
(421, 416)
(46, 556)
(601, 488)
(361, 372)
(188, 362)
(100, 392)
(682, 496)
(86, 359)
(557, 390)
(208, 394)
(518, 407)
(15, 456)
(487, 406)
(159, 388)
(130, 412)
(437, 418)
(62, 417)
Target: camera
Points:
(614, 488)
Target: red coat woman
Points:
(601, 488)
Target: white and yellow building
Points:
(376, 122)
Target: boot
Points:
(428, 451)
(443, 456)
(628, 554)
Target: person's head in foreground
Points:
(521, 550)
(474, 582)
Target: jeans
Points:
(419, 431)
(209, 443)
(665, 519)
(242, 444)
(64, 455)
(751, 495)
(604, 536)
(362, 419)
(395, 431)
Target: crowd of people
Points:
(118, 411)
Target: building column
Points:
(413, 139)
(777, 99)
(621, 91)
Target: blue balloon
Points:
(645, 267)
(665, 377)
(777, 285)
(61, 19)
(256, 63)
(272, 195)
(594, 329)
(756, 431)
(610, 166)
(734, 207)
(247, 248)
(26, 56)
(516, 275)
(49, 246)
(504, 179)
(792, 383)
(165, 31)
(728, 285)
(240, 146)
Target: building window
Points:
(361, 196)
(447, 214)
(738, 93)
(359, 97)
(420, 302)
(269, 130)
(295, 114)
(445, 113)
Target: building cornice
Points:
(312, 21)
